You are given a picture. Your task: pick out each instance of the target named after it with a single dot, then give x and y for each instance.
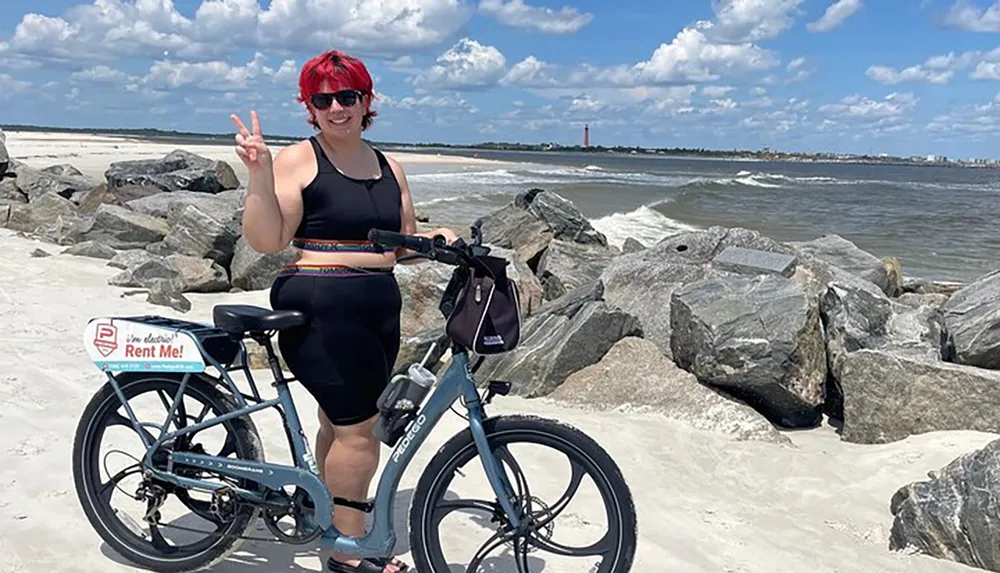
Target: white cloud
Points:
(691, 56)
(835, 15)
(10, 86)
(107, 29)
(215, 75)
(566, 20)
(586, 104)
(857, 106)
(889, 76)
(100, 74)
(752, 20)
(466, 65)
(799, 69)
(937, 69)
(703, 52)
(531, 72)
(717, 91)
(967, 16)
(410, 102)
(986, 71)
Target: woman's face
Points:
(338, 110)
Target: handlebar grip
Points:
(395, 240)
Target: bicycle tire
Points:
(116, 534)
(460, 449)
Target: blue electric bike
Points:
(168, 359)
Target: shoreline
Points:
(93, 153)
(747, 155)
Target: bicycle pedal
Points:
(365, 506)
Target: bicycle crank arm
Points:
(270, 475)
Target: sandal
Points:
(367, 565)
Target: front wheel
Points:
(444, 489)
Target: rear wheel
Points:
(212, 527)
(441, 491)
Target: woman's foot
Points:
(368, 565)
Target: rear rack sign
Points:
(120, 345)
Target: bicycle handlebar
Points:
(435, 249)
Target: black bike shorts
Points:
(345, 354)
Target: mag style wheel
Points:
(148, 528)
(599, 531)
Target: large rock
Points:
(567, 265)
(194, 232)
(562, 217)
(222, 206)
(187, 273)
(122, 228)
(50, 217)
(91, 249)
(250, 270)
(533, 219)
(972, 317)
(88, 202)
(760, 338)
(421, 287)
(954, 515)
(635, 375)
(842, 253)
(178, 170)
(888, 396)
(857, 314)
(565, 335)
(642, 283)
(9, 193)
(36, 182)
(515, 228)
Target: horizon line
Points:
(210, 135)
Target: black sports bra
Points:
(338, 211)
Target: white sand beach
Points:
(92, 154)
(705, 504)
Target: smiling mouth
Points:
(341, 121)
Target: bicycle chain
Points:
(213, 534)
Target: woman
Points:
(322, 195)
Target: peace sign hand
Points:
(250, 146)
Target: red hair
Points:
(342, 71)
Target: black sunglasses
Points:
(346, 98)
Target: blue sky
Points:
(855, 76)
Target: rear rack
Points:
(225, 351)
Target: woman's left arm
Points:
(409, 217)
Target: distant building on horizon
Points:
(586, 135)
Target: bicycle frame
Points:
(456, 382)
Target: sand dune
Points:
(705, 503)
(92, 154)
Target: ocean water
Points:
(940, 222)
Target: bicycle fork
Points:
(495, 473)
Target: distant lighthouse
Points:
(586, 135)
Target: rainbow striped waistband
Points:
(335, 245)
(331, 270)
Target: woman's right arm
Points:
(272, 208)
